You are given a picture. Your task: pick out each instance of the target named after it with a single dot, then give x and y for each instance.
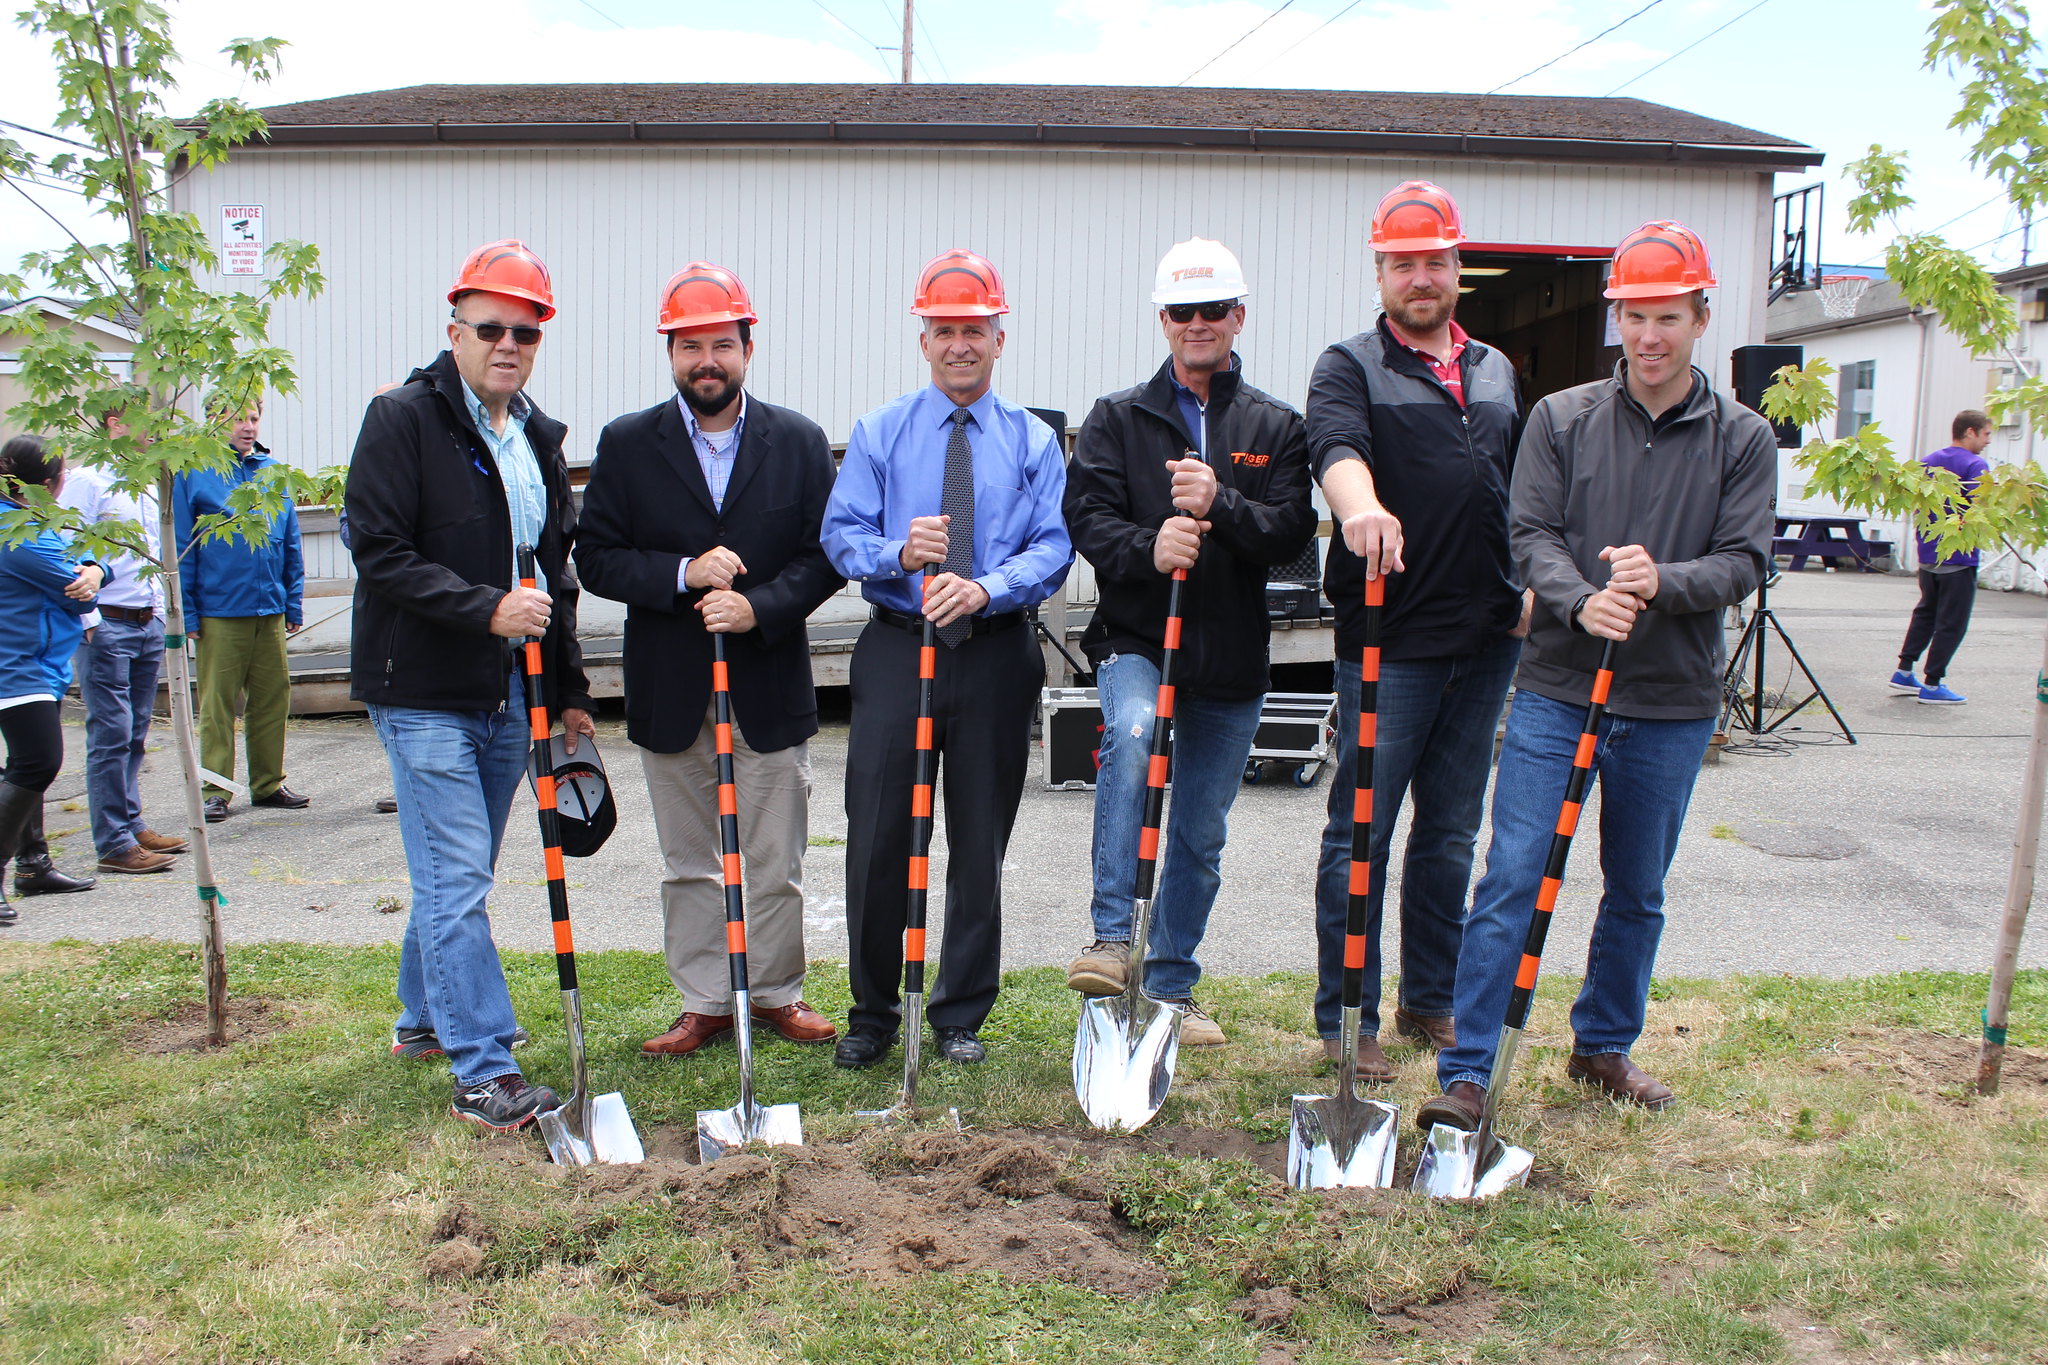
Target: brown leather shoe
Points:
(797, 1022)
(1431, 1030)
(1620, 1078)
(1373, 1066)
(1460, 1106)
(162, 843)
(137, 859)
(688, 1033)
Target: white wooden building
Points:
(827, 199)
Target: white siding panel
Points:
(829, 240)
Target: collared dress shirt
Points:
(526, 493)
(91, 493)
(715, 460)
(895, 469)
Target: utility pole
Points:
(907, 11)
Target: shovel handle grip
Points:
(1161, 762)
(1360, 897)
(728, 816)
(544, 792)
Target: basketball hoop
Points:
(1839, 294)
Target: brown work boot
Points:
(688, 1033)
(797, 1022)
(1620, 1078)
(1431, 1030)
(1103, 968)
(162, 843)
(137, 859)
(1460, 1106)
(1373, 1065)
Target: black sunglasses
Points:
(494, 331)
(1211, 312)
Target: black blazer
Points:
(647, 506)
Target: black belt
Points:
(976, 625)
(140, 616)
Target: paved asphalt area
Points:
(1818, 857)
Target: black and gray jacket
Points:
(1119, 494)
(1694, 488)
(1440, 468)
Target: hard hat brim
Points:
(1657, 291)
(708, 320)
(510, 291)
(1412, 245)
(1163, 297)
(959, 310)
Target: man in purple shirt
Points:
(1948, 584)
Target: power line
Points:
(1310, 34)
(54, 137)
(876, 48)
(1688, 47)
(1879, 259)
(602, 15)
(930, 46)
(1284, 7)
(1588, 43)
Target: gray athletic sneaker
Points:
(1103, 968)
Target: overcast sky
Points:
(1837, 74)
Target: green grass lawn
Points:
(1825, 1191)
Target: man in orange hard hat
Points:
(702, 516)
(947, 508)
(1641, 508)
(452, 472)
(1411, 427)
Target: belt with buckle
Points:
(976, 625)
(140, 616)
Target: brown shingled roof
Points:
(1215, 117)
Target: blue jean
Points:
(1211, 740)
(117, 672)
(455, 773)
(1437, 719)
(1646, 770)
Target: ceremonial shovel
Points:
(584, 1130)
(1345, 1139)
(1457, 1164)
(721, 1130)
(1126, 1045)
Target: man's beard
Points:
(717, 403)
(1421, 315)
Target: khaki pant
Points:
(774, 800)
(241, 655)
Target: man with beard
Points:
(1411, 427)
(702, 516)
(947, 508)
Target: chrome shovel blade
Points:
(1341, 1142)
(1453, 1168)
(587, 1132)
(1124, 1056)
(723, 1130)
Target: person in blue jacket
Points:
(43, 593)
(242, 596)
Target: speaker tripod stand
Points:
(1754, 716)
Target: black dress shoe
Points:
(41, 878)
(216, 809)
(385, 805)
(960, 1045)
(861, 1048)
(284, 798)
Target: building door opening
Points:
(1543, 308)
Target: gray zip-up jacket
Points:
(1694, 489)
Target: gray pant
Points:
(774, 808)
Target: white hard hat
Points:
(1198, 271)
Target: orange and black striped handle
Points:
(920, 817)
(1561, 844)
(1361, 798)
(544, 790)
(728, 816)
(1162, 747)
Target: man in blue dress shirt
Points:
(947, 505)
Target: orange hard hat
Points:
(1417, 216)
(507, 266)
(1660, 260)
(958, 284)
(703, 295)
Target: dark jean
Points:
(1646, 770)
(1437, 719)
(455, 773)
(117, 673)
(1211, 740)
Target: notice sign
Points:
(241, 239)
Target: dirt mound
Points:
(1940, 1065)
(185, 1030)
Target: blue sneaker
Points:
(1904, 681)
(1941, 695)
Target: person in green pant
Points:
(242, 596)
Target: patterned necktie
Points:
(957, 502)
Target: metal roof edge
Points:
(1841, 324)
